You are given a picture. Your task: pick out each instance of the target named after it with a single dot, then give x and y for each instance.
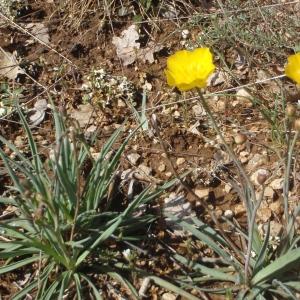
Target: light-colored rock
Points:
(202, 193)
(228, 214)
(185, 33)
(256, 161)
(176, 114)
(121, 103)
(198, 110)
(264, 214)
(145, 170)
(180, 161)
(168, 296)
(275, 229)
(162, 167)
(227, 188)
(244, 97)
(239, 209)
(277, 184)
(269, 192)
(276, 207)
(133, 158)
(168, 174)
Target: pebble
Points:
(269, 192)
(162, 167)
(121, 103)
(228, 214)
(276, 207)
(239, 209)
(168, 296)
(133, 158)
(275, 228)
(185, 33)
(198, 110)
(180, 161)
(243, 97)
(168, 174)
(277, 184)
(145, 170)
(202, 193)
(264, 214)
(256, 161)
(176, 114)
(19, 141)
(227, 188)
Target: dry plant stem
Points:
(189, 190)
(250, 237)
(228, 149)
(287, 176)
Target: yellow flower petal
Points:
(189, 69)
(292, 69)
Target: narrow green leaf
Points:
(125, 283)
(19, 264)
(171, 287)
(95, 290)
(284, 263)
(214, 273)
(262, 256)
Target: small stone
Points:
(133, 158)
(276, 207)
(176, 114)
(168, 174)
(243, 97)
(264, 214)
(221, 106)
(185, 33)
(227, 188)
(269, 192)
(275, 229)
(228, 214)
(162, 167)
(180, 161)
(19, 141)
(239, 209)
(198, 111)
(219, 213)
(145, 170)
(168, 296)
(277, 184)
(121, 103)
(256, 161)
(202, 193)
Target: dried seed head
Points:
(290, 110)
(262, 176)
(297, 124)
(240, 138)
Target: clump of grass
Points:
(64, 222)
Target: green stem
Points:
(228, 149)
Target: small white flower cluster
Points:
(102, 88)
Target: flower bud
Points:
(240, 138)
(290, 110)
(297, 124)
(262, 176)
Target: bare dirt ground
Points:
(250, 41)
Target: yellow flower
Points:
(189, 69)
(292, 69)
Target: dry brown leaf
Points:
(9, 66)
